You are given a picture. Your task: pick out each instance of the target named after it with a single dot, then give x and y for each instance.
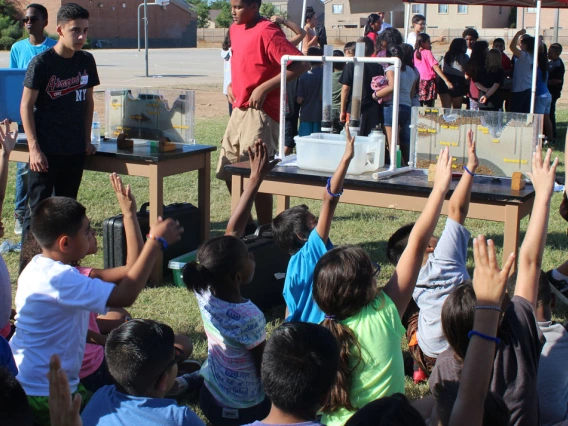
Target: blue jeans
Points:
(21, 197)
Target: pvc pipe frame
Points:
(395, 97)
(535, 54)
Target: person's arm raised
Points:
(299, 33)
(489, 285)
(402, 283)
(64, 410)
(260, 166)
(7, 141)
(514, 45)
(530, 255)
(459, 202)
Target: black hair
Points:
(56, 216)
(288, 225)
(226, 41)
(397, 52)
(495, 411)
(470, 32)
(137, 353)
(528, 42)
(371, 19)
(40, 8)
(543, 62)
(458, 311)
(310, 355)
(310, 13)
(398, 242)
(14, 404)
(420, 38)
(388, 411)
(556, 47)
(544, 296)
(498, 40)
(417, 18)
(391, 36)
(70, 12)
(408, 57)
(314, 51)
(456, 52)
(369, 45)
(477, 59)
(350, 47)
(249, 2)
(216, 260)
(338, 66)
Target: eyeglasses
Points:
(31, 19)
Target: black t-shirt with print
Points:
(61, 103)
(370, 70)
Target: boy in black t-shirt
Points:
(59, 84)
(556, 72)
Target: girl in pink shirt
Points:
(372, 26)
(428, 67)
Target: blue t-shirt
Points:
(6, 357)
(541, 83)
(109, 407)
(23, 51)
(300, 280)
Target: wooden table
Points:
(149, 162)
(491, 199)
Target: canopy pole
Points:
(556, 25)
(407, 9)
(535, 54)
(303, 23)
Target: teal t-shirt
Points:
(381, 373)
(23, 52)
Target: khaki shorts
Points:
(246, 125)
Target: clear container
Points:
(323, 151)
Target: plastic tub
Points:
(177, 264)
(11, 89)
(323, 151)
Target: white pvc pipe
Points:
(389, 172)
(357, 90)
(535, 55)
(326, 91)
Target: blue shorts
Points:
(404, 118)
(542, 104)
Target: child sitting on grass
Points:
(516, 362)
(142, 360)
(310, 355)
(306, 238)
(443, 268)
(364, 318)
(54, 299)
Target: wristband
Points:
(158, 239)
(496, 340)
(494, 308)
(467, 170)
(328, 188)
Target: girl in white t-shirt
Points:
(232, 393)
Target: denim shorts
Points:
(404, 118)
(542, 104)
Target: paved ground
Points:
(166, 67)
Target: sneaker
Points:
(185, 384)
(18, 226)
(559, 287)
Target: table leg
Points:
(237, 187)
(204, 197)
(511, 234)
(156, 199)
(282, 203)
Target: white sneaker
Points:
(18, 227)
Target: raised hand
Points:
(7, 139)
(63, 410)
(472, 160)
(443, 171)
(543, 173)
(260, 165)
(169, 229)
(349, 143)
(124, 194)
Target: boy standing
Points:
(257, 45)
(418, 26)
(21, 53)
(308, 96)
(471, 36)
(556, 72)
(59, 86)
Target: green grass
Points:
(366, 226)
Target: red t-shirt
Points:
(506, 63)
(256, 58)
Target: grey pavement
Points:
(166, 67)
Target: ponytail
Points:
(195, 277)
(420, 38)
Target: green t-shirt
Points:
(381, 373)
(336, 87)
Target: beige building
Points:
(294, 8)
(338, 15)
(546, 18)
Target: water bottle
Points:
(96, 129)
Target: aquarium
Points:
(505, 141)
(149, 114)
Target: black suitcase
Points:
(114, 237)
(265, 289)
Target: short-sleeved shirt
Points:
(61, 104)
(488, 79)
(255, 59)
(506, 62)
(522, 73)
(425, 66)
(443, 271)
(109, 407)
(456, 67)
(515, 367)
(369, 71)
(309, 88)
(299, 282)
(336, 87)
(22, 52)
(541, 83)
(378, 330)
(553, 375)
(233, 330)
(6, 357)
(411, 39)
(53, 302)
(556, 71)
(407, 79)
(384, 26)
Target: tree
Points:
(202, 14)
(224, 18)
(267, 9)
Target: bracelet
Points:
(328, 187)
(467, 170)
(162, 241)
(495, 308)
(496, 340)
